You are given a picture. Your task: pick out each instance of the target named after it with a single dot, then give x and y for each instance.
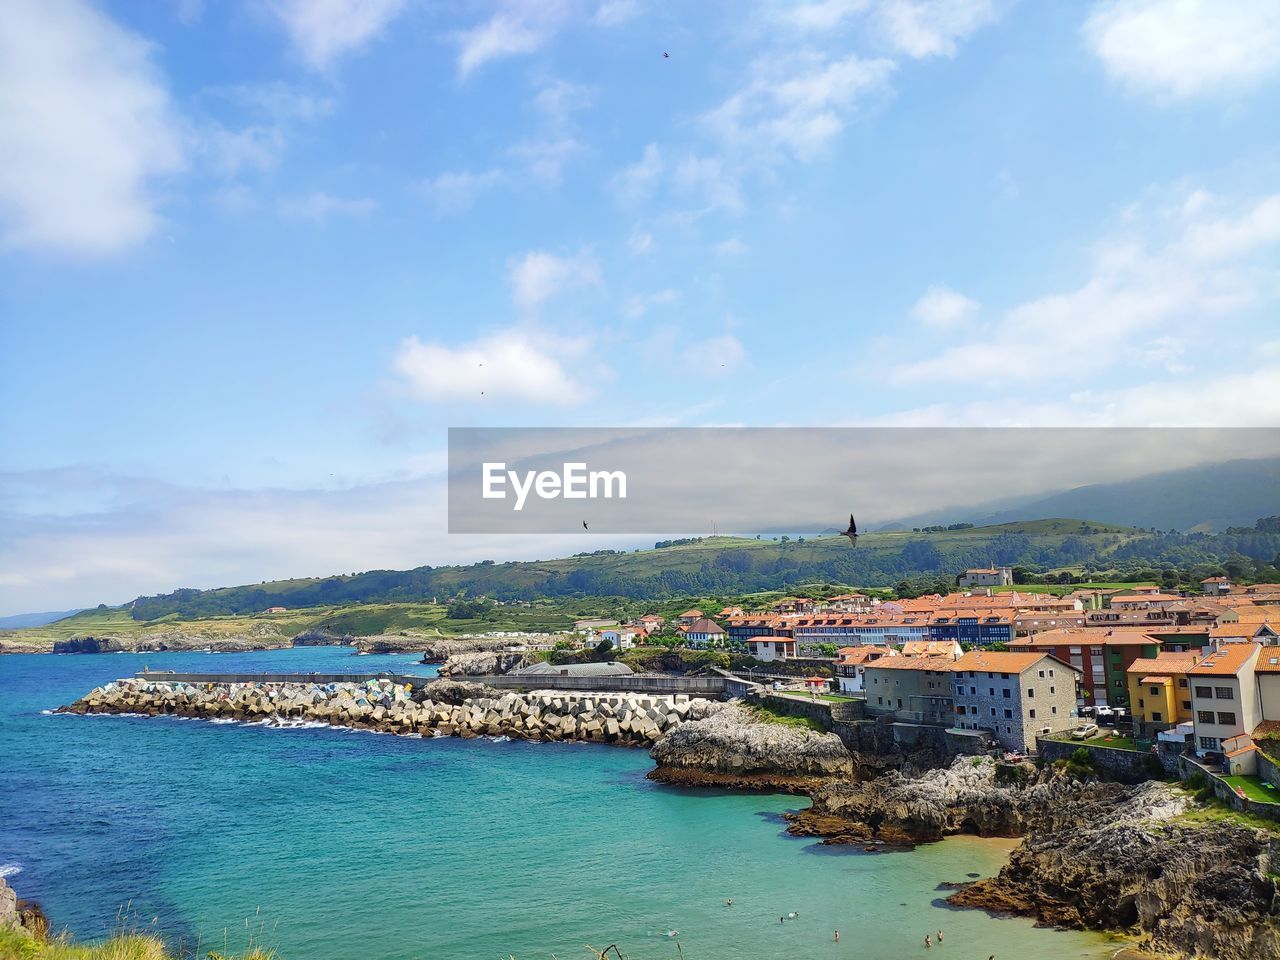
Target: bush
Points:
(1194, 782)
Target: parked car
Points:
(1104, 712)
(1084, 731)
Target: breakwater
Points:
(437, 708)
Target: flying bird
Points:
(852, 532)
(584, 525)
(665, 55)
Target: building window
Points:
(1182, 681)
(1204, 716)
(1155, 691)
(1008, 714)
(1210, 743)
(1041, 674)
(1186, 704)
(1227, 719)
(1157, 717)
(993, 711)
(1005, 691)
(1052, 691)
(1053, 710)
(1205, 692)
(1031, 692)
(1032, 713)
(1223, 693)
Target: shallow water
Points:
(332, 844)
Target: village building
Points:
(1160, 691)
(851, 665)
(910, 689)
(1224, 697)
(689, 617)
(1017, 696)
(933, 648)
(987, 577)
(651, 622)
(771, 648)
(623, 638)
(703, 634)
(1215, 586)
(974, 628)
(741, 629)
(1102, 657)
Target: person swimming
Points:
(837, 936)
(729, 902)
(928, 941)
(792, 915)
(673, 933)
(939, 936)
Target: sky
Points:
(256, 256)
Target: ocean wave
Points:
(46, 713)
(221, 720)
(9, 869)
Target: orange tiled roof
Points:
(999, 662)
(1268, 660)
(1226, 662)
(1163, 664)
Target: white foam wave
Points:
(9, 869)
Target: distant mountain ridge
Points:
(16, 621)
(1208, 498)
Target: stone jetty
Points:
(439, 708)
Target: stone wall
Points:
(1188, 768)
(1124, 766)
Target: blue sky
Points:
(257, 255)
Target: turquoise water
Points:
(337, 845)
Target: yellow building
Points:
(1159, 692)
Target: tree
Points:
(604, 646)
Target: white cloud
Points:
(86, 130)
(932, 28)
(545, 159)
(730, 247)
(279, 101)
(558, 100)
(640, 242)
(1138, 296)
(320, 207)
(639, 304)
(614, 13)
(1245, 398)
(229, 153)
(455, 191)
(538, 276)
(941, 308)
(795, 105)
(522, 26)
(715, 356)
(324, 30)
(637, 182)
(509, 365)
(1186, 48)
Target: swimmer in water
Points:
(928, 941)
(729, 902)
(837, 936)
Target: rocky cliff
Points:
(484, 662)
(734, 748)
(963, 798)
(21, 915)
(261, 636)
(1119, 858)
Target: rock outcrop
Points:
(260, 636)
(1118, 858)
(734, 748)
(621, 718)
(21, 915)
(322, 637)
(485, 662)
(963, 798)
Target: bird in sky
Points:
(665, 55)
(852, 532)
(584, 525)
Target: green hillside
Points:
(722, 566)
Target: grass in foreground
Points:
(1214, 812)
(128, 945)
(773, 716)
(1254, 789)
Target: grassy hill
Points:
(721, 566)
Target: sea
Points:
(327, 844)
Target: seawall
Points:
(440, 708)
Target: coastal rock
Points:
(485, 662)
(322, 637)
(8, 906)
(734, 748)
(963, 798)
(1118, 858)
(83, 643)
